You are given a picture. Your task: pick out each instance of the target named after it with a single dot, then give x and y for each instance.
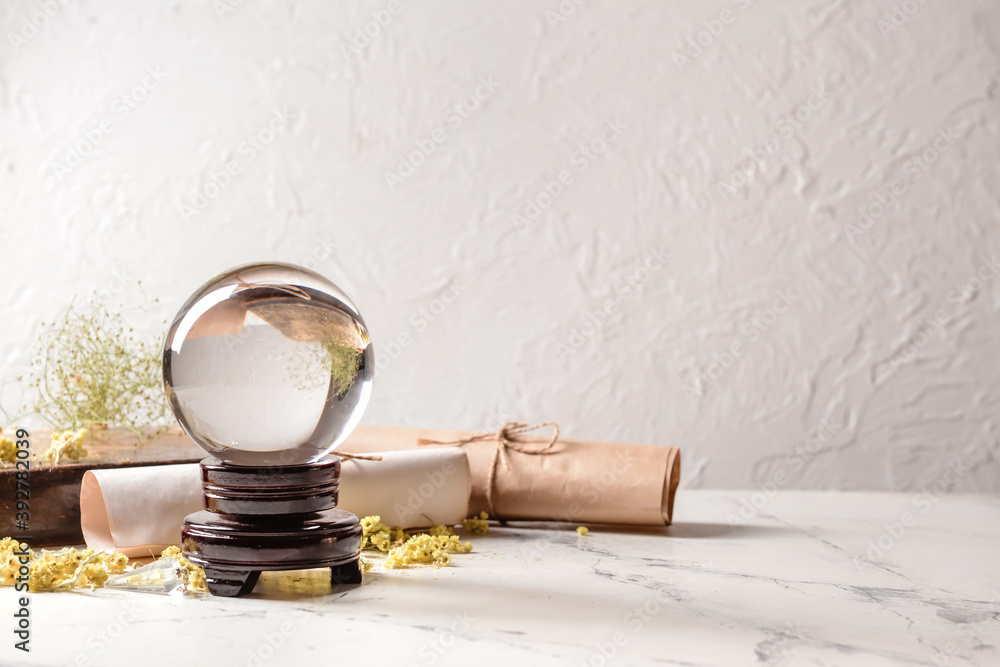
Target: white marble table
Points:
(793, 584)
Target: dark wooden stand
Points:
(258, 519)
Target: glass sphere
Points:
(268, 364)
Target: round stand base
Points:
(260, 519)
(234, 550)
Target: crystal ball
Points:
(268, 364)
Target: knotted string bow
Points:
(506, 438)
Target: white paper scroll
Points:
(139, 511)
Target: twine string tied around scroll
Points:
(347, 456)
(508, 437)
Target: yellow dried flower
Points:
(426, 550)
(371, 524)
(51, 570)
(366, 565)
(94, 574)
(8, 450)
(440, 529)
(68, 444)
(72, 568)
(197, 581)
(116, 563)
(194, 575)
(10, 551)
(380, 541)
(431, 548)
(67, 568)
(377, 535)
(42, 578)
(583, 530)
(477, 526)
(9, 544)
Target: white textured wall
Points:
(653, 222)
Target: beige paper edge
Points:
(138, 511)
(405, 485)
(94, 521)
(120, 508)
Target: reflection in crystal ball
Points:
(268, 364)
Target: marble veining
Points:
(797, 584)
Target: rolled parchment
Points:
(139, 511)
(576, 480)
(412, 489)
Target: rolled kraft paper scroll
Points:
(139, 511)
(581, 480)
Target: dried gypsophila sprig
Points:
(91, 371)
